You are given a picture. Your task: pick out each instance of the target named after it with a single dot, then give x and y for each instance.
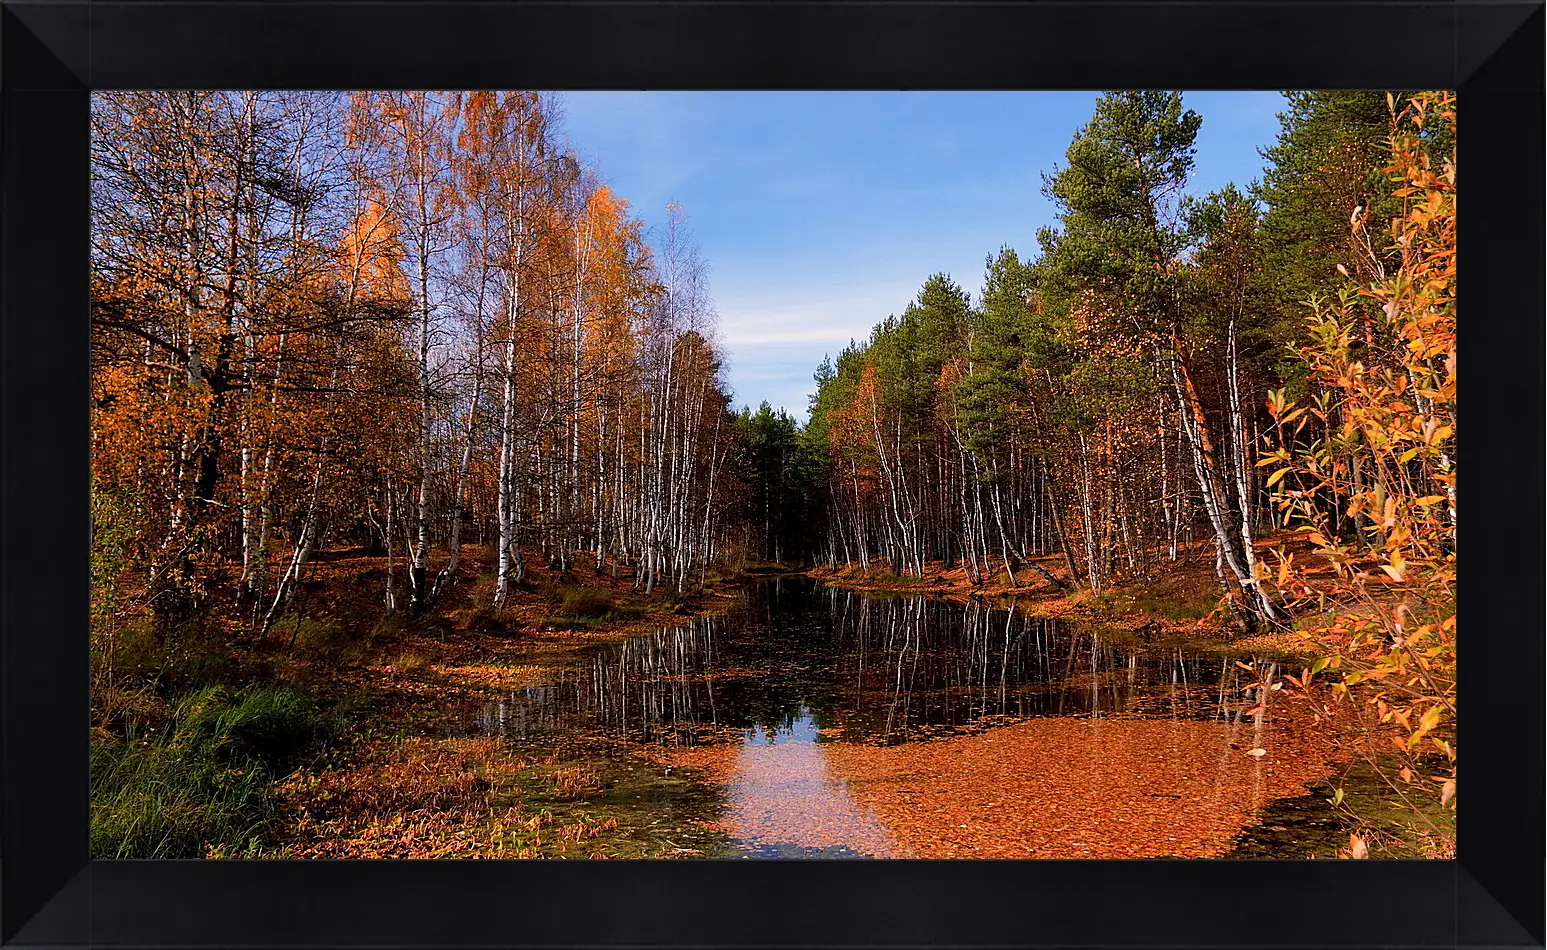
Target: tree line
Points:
(414, 320)
(404, 320)
(1124, 392)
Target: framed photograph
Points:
(654, 475)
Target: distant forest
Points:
(1167, 369)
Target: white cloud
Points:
(815, 315)
(776, 332)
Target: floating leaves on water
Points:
(1045, 788)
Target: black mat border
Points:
(52, 52)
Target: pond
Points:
(842, 724)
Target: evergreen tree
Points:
(1326, 164)
(1118, 264)
(1121, 204)
(775, 481)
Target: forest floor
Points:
(427, 783)
(405, 770)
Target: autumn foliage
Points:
(396, 320)
(1368, 468)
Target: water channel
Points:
(844, 724)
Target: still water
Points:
(834, 719)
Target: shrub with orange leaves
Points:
(1368, 468)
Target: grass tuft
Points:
(575, 782)
(200, 782)
(392, 626)
(586, 604)
(410, 661)
(319, 637)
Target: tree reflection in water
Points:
(873, 670)
(840, 724)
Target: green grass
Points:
(132, 647)
(1168, 598)
(878, 575)
(392, 626)
(202, 778)
(583, 607)
(1178, 605)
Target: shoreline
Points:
(388, 759)
(471, 796)
(1181, 604)
(410, 778)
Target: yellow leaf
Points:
(1429, 719)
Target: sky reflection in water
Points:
(765, 691)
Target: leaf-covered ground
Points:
(410, 778)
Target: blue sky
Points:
(820, 213)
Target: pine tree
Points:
(1325, 168)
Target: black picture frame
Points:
(53, 52)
